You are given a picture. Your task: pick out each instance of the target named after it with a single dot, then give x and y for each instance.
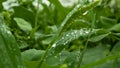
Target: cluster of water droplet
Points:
(55, 52)
(72, 35)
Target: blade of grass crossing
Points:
(75, 13)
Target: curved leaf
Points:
(24, 25)
(98, 37)
(9, 52)
(69, 36)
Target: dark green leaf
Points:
(107, 22)
(24, 13)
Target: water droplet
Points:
(8, 32)
(67, 35)
(75, 31)
(60, 54)
(28, 37)
(55, 56)
(63, 38)
(78, 6)
(64, 43)
(85, 13)
(54, 45)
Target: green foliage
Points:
(23, 25)
(9, 51)
(85, 35)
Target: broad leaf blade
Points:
(24, 25)
(32, 54)
(9, 51)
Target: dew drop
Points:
(60, 54)
(86, 32)
(54, 45)
(67, 35)
(55, 56)
(28, 37)
(63, 38)
(8, 32)
(85, 13)
(75, 31)
(64, 43)
(78, 6)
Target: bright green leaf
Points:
(24, 25)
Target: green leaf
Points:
(80, 23)
(53, 60)
(98, 37)
(98, 59)
(95, 53)
(56, 60)
(72, 59)
(59, 7)
(22, 44)
(24, 25)
(116, 48)
(9, 52)
(102, 61)
(107, 22)
(116, 27)
(58, 46)
(69, 36)
(33, 64)
(32, 54)
(21, 12)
